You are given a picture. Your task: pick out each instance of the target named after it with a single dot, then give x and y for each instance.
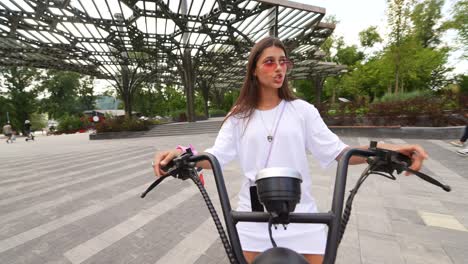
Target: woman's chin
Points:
(278, 85)
(274, 85)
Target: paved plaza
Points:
(66, 199)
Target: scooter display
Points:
(279, 191)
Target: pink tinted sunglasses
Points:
(271, 64)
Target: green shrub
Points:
(412, 109)
(71, 123)
(38, 121)
(362, 111)
(118, 124)
(217, 113)
(155, 122)
(179, 115)
(405, 96)
(200, 115)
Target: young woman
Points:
(269, 127)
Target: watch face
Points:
(96, 118)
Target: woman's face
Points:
(271, 68)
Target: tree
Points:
(460, 23)
(331, 88)
(85, 92)
(349, 55)
(175, 98)
(4, 108)
(230, 98)
(61, 91)
(462, 81)
(153, 100)
(38, 121)
(398, 20)
(425, 18)
(369, 37)
(304, 89)
(420, 67)
(20, 95)
(334, 86)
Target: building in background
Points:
(105, 102)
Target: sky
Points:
(355, 16)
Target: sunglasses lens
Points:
(269, 65)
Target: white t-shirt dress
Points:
(301, 130)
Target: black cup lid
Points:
(278, 172)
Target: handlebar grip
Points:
(403, 158)
(168, 166)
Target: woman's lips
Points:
(278, 79)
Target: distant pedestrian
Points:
(13, 136)
(27, 127)
(27, 130)
(8, 132)
(462, 141)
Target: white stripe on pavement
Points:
(444, 145)
(41, 230)
(193, 246)
(198, 241)
(69, 197)
(44, 160)
(28, 179)
(68, 183)
(93, 246)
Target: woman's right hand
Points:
(163, 158)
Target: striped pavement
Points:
(66, 199)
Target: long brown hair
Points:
(250, 93)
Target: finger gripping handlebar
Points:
(388, 161)
(180, 167)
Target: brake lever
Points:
(153, 185)
(399, 162)
(431, 180)
(170, 170)
(174, 168)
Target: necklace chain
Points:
(269, 132)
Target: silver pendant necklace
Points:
(270, 132)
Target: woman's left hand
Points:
(415, 152)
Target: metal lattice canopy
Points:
(159, 41)
(98, 37)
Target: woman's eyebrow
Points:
(272, 57)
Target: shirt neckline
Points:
(272, 109)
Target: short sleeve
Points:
(225, 148)
(324, 145)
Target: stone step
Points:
(172, 129)
(195, 124)
(185, 128)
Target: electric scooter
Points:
(279, 191)
(29, 136)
